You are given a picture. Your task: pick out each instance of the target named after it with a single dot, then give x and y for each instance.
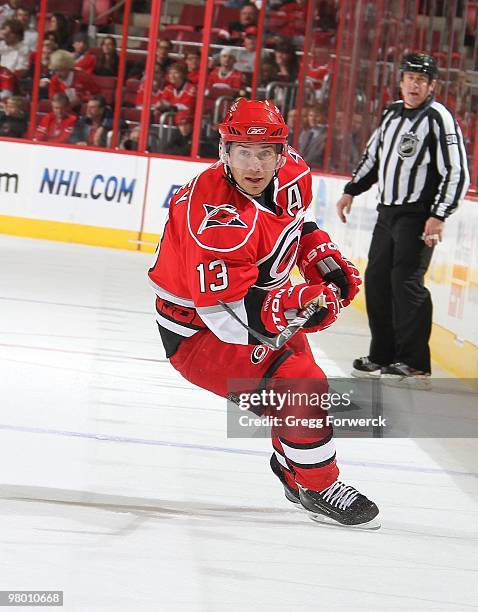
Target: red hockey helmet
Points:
(253, 121)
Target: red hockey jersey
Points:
(182, 99)
(232, 79)
(86, 63)
(219, 242)
(77, 83)
(53, 130)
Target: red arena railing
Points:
(156, 77)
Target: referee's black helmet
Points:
(419, 62)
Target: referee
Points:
(417, 157)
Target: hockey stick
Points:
(277, 342)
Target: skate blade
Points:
(412, 383)
(372, 525)
(360, 374)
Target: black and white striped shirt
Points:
(416, 156)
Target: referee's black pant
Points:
(399, 306)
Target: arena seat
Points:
(72, 8)
(224, 15)
(131, 90)
(131, 114)
(192, 15)
(101, 6)
(107, 85)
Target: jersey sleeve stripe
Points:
(166, 295)
(225, 327)
(181, 330)
(453, 168)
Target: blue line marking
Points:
(221, 449)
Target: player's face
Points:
(253, 165)
(415, 88)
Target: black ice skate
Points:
(364, 368)
(400, 375)
(291, 494)
(340, 504)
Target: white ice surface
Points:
(120, 487)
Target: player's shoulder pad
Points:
(219, 217)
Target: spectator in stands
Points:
(14, 53)
(225, 76)
(289, 21)
(84, 59)
(268, 72)
(248, 16)
(356, 144)
(131, 138)
(347, 141)
(179, 94)
(245, 58)
(7, 10)
(311, 144)
(292, 125)
(108, 61)
(78, 85)
(30, 35)
(210, 147)
(8, 84)
(192, 60)
(163, 50)
(13, 122)
(458, 98)
(60, 26)
(287, 62)
(237, 4)
(318, 67)
(327, 13)
(92, 129)
(53, 36)
(45, 73)
(181, 141)
(57, 126)
(13, 57)
(158, 86)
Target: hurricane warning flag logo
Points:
(225, 215)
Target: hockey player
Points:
(233, 235)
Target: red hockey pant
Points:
(307, 456)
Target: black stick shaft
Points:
(277, 342)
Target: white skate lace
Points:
(339, 495)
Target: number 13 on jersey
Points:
(214, 277)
